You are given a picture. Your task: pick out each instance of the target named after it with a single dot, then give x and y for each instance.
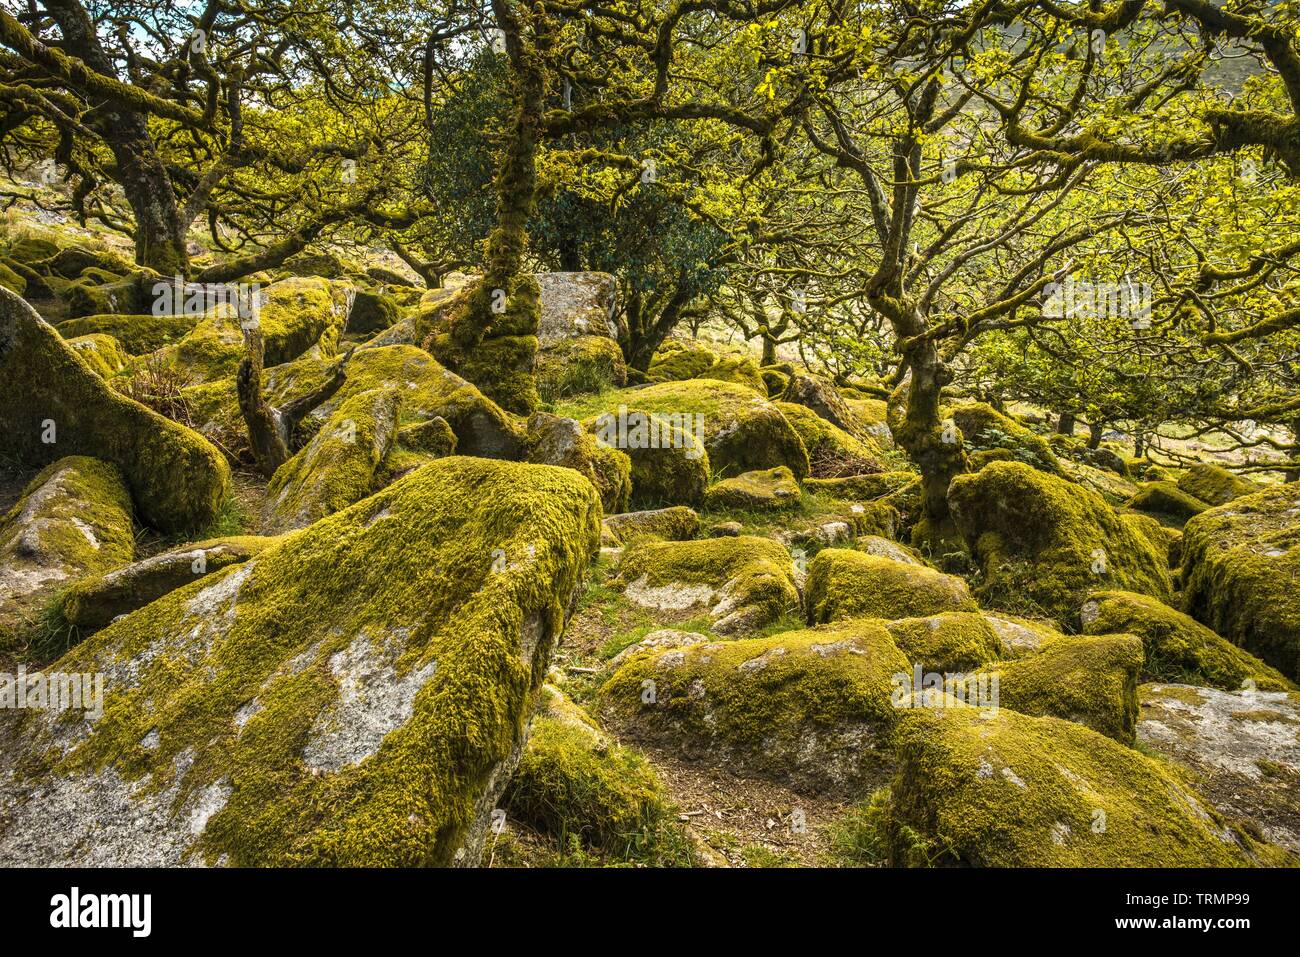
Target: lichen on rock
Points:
(743, 583)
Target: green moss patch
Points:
(1178, 648)
(811, 708)
(843, 583)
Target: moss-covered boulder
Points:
(860, 488)
(984, 428)
(294, 316)
(428, 390)
(102, 353)
(669, 463)
(73, 520)
(578, 366)
(1241, 562)
(337, 467)
(1242, 749)
(94, 602)
(372, 311)
(954, 641)
(554, 440)
(573, 781)
(767, 490)
(675, 524)
(12, 280)
(1214, 484)
(883, 547)
(132, 293)
(776, 378)
(661, 639)
(831, 450)
(1009, 790)
(53, 405)
(843, 583)
(1090, 679)
(1166, 500)
(741, 430)
(742, 583)
(1115, 489)
(809, 708)
(137, 335)
(1044, 539)
(819, 396)
(678, 360)
(73, 261)
(1178, 649)
(356, 694)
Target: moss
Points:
(1178, 648)
(672, 468)
(1115, 489)
(984, 428)
(675, 524)
(811, 708)
(949, 642)
(178, 481)
(742, 431)
(744, 582)
(73, 520)
(775, 379)
(573, 781)
(93, 602)
(1090, 679)
(12, 280)
(456, 578)
(35, 286)
(502, 368)
(1167, 500)
(679, 359)
(741, 370)
(773, 489)
(1009, 790)
(337, 467)
(72, 262)
(1214, 485)
(131, 294)
(1041, 539)
(1241, 562)
(860, 487)
(138, 335)
(30, 246)
(295, 315)
(372, 312)
(428, 390)
(583, 364)
(102, 353)
(847, 584)
(612, 476)
(831, 450)
(433, 437)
